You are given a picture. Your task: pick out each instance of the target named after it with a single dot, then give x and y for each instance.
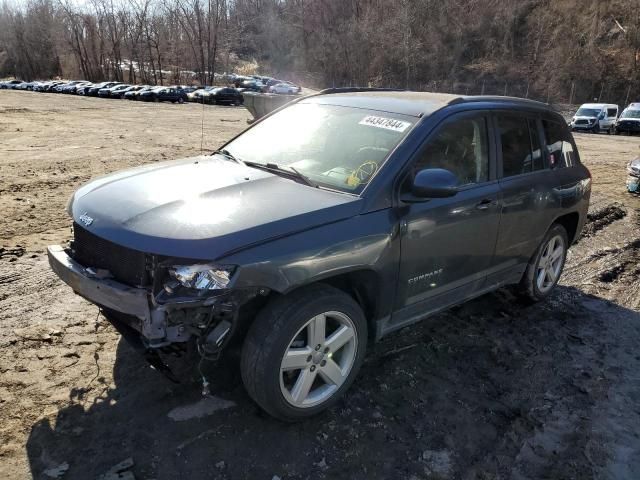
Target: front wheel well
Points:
(364, 287)
(570, 224)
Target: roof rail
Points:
(358, 89)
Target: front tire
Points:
(303, 352)
(546, 265)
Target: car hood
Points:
(580, 117)
(203, 207)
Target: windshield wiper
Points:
(288, 172)
(227, 154)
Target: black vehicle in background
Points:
(224, 96)
(629, 120)
(164, 94)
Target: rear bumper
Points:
(101, 291)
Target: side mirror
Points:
(601, 116)
(434, 183)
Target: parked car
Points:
(10, 84)
(195, 96)
(72, 88)
(93, 91)
(303, 251)
(84, 88)
(115, 91)
(134, 94)
(223, 96)
(45, 86)
(284, 88)
(252, 86)
(63, 86)
(130, 88)
(629, 120)
(164, 94)
(595, 118)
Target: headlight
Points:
(203, 276)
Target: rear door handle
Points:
(484, 204)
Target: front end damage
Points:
(633, 178)
(163, 312)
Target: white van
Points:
(629, 121)
(595, 117)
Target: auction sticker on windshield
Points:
(386, 123)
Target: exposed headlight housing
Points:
(202, 276)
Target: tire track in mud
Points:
(602, 218)
(612, 272)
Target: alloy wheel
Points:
(318, 359)
(550, 264)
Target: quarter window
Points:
(460, 147)
(559, 146)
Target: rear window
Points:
(559, 146)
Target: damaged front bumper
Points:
(159, 324)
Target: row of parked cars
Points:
(218, 95)
(603, 117)
(261, 83)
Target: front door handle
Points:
(484, 204)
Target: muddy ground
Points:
(489, 390)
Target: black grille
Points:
(125, 264)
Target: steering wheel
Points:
(362, 174)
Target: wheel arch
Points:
(363, 285)
(570, 222)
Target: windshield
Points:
(630, 114)
(334, 146)
(587, 112)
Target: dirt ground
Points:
(489, 390)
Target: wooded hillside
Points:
(559, 50)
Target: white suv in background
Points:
(595, 117)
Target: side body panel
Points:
(368, 242)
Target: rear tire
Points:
(303, 352)
(546, 265)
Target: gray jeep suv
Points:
(331, 222)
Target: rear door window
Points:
(559, 146)
(520, 142)
(612, 112)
